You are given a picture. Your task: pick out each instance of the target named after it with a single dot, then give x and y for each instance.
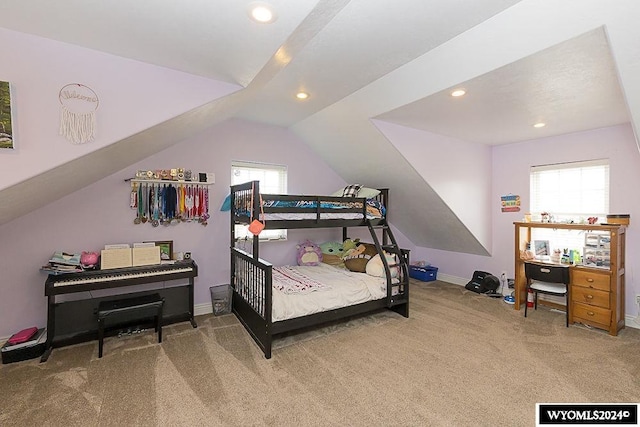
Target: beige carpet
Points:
(461, 359)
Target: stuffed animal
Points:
(332, 253)
(376, 268)
(89, 259)
(309, 253)
(356, 259)
(527, 255)
(348, 245)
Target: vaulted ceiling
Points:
(519, 61)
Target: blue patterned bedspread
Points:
(312, 204)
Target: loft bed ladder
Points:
(398, 301)
(390, 245)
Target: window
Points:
(273, 180)
(569, 192)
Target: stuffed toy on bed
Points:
(348, 245)
(332, 253)
(309, 253)
(356, 259)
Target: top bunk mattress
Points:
(295, 209)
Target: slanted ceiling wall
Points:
(457, 172)
(133, 97)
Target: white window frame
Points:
(273, 180)
(569, 192)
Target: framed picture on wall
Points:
(166, 249)
(7, 139)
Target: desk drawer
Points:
(590, 296)
(590, 314)
(591, 279)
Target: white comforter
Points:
(344, 288)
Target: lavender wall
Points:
(99, 214)
(510, 175)
(134, 96)
(452, 168)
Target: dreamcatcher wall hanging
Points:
(78, 112)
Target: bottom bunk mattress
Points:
(304, 290)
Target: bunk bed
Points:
(259, 307)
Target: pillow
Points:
(351, 190)
(368, 193)
(226, 205)
(356, 259)
(376, 268)
(365, 192)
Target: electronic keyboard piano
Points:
(117, 277)
(77, 317)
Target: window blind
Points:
(571, 191)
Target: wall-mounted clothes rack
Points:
(169, 202)
(166, 181)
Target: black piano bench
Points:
(127, 310)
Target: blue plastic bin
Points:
(425, 274)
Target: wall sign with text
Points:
(510, 203)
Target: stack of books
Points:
(62, 262)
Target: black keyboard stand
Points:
(76, 321)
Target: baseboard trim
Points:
(629, 321)
(452, 279)
(200, 309)
(632, 322)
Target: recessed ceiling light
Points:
(302, 95)
(261, 12)
(458, 92)
(539, 125)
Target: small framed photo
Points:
(166, 249)
(7, 137)
(541, 248)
